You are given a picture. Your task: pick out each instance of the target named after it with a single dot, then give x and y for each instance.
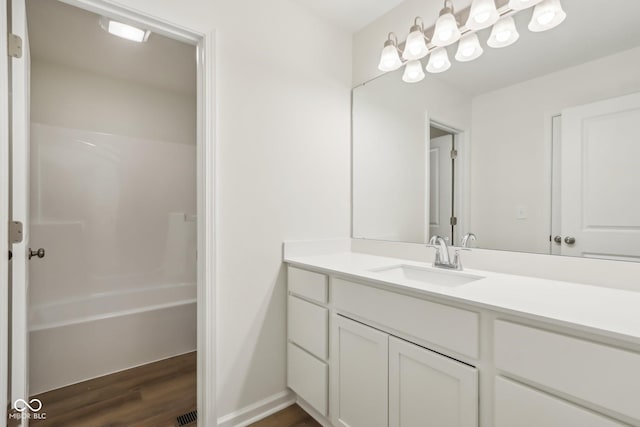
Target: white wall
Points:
(283, 83)
(77, 99)
(511, 147)
(389, 130)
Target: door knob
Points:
(570, 240)
(39, 253)
(557, 239)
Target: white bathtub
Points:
(79, 339)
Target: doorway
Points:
(58, 160)
(442, 182)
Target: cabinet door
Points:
(427, 389)
(359, 374)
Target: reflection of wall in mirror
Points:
(389, 168)
(511, 147)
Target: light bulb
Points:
(547, 14)
(483, 14)
(446, 31)
(413, 72)
(504, 33)
(416, 44)
(390, 58)
(522, 4)
(469, 48)
(438, 61)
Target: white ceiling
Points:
(71, 36)
(351, 15)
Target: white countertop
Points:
(609, 312)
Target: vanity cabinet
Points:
(359, 374)
(374, 372)
(426, 388)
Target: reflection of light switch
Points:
(521, 212)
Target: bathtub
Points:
(79, 339)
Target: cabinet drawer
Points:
(308, 326)
(308, 284)
(596, 373)
(445, 326)
(308, 377)
(519, 406)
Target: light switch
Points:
(521, 212)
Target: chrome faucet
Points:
(469, 237)
(442, 254)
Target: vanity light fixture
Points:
(547, 14)
(416, 44)
(413, 72)
(446, 31)
(483, 14)
(124, 31)
(469, 48)
(390, 58)
(504, 33)
(438, 61)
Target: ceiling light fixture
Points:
(547, 14)
(124, 31)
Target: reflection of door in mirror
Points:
(440, 184)
(600, 215)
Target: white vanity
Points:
(376, 342)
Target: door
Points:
(440, 187)
(427, 389)
(19, 71)
(359, 375)
(600, 175)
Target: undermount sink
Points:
(428, 276)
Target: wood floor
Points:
(293, 416)
(152, 395)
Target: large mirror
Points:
(534, 147)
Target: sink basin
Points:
(426, 276)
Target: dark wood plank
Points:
(152, 395)
(293, 416)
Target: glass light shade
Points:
(547, 14)
(483, 14)
(446, 31)
(438, 61)
(504, 33)
(469, 48)
(416, 45)
(413, 72)
(522, 4)
(390, 58)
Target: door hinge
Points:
(454, 221)
(15, 232)
(14, 47)
(454, 154)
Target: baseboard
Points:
(257, 411)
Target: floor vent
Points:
(188, 418)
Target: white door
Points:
(600, 176)
(20, 209)
(440, 186)
(427, 389)
(359, 375)
(4, 214)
